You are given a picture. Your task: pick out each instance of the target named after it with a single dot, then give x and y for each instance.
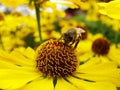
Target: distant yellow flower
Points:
(99, 47)
(15, 28)
(90, 6)
(10, 41)
(66, 24)
(110, 9)
(55, 66)
(92, 12)
(46, 35)
(85, 43)
(14, 3)
(110, 22)
(84, 5)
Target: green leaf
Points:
(82, 62)
(55, 81)
(44, 76)
(76, 77)
(118, 88)
(67, 80)
(29, 39)
(82, 78)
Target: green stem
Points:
(37, 6)
(116, 39)
(1, 42)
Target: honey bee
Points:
(72, 35)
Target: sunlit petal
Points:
(39, 84)
(16, 79)
(93, 85)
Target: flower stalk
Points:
(38, 19)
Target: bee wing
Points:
(80, 31)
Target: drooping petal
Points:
(64, 85)
(93, 85)
(39, 84)
(111, 9)
(15, 78)
(104, 59)
(99, 71)
(10, 65)
(108, 68)
(114, 55)
(4, 64)
(84, 46)
(30, 53)
(17, 57)
(87, 55)
(100, 78)
(89, 64)
(21, 59)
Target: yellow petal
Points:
(100, 78)
(99, 68)
(17, 58)
(10, 65)
(93, 85)
(99, 71)
(111, 9)
(64, 85)
(89, 64)
(86, 56)
(14, 79)
(114, 55)
(102, 4)
(104, 58)
(39, 84)
(96, 36)
(20, 59)
(29, 52)
(84, 46)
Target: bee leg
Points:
(78, 40)
(72, 42)
(60, 37)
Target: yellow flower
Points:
(14, 3)
(46, 35)
(110, 9)
(14, 29)
(110, 22)
(55, 66)
(99, 47)
(66, 24)
(84, 5)
(92, 13)
(10, 41)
